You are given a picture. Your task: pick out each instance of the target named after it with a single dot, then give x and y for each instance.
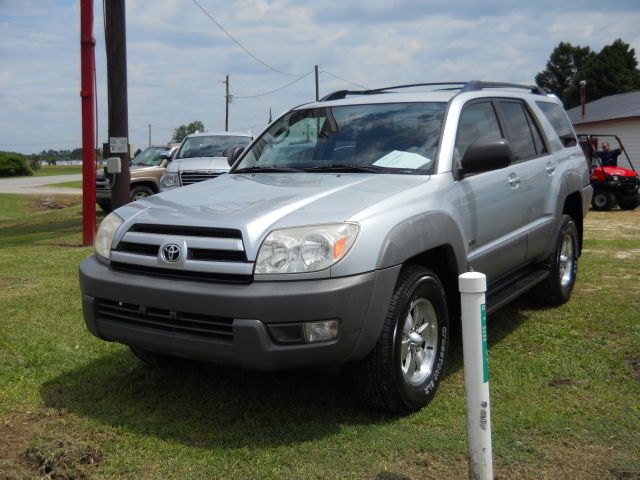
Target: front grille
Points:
(176, 274)
(138, 248)
(189, 177)
(209, 326)
(186, 231)
(208, 254)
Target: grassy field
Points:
(565, 385)
(75, 184)
(48, 170)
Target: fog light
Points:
(320, 331)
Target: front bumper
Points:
(245, 317)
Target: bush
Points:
(34, 162)
(13, 165)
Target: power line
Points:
(343, 79)
(240, 45)
(277, 89)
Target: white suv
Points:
(202, 156)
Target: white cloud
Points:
(178, 58)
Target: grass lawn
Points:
(48, 170)
(565, 385)
(75, 184)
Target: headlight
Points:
(305, 249)
(106, 232)
(171, 180)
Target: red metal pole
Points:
(87, 62)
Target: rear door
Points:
(533, 170)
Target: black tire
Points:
(104, 205)
(628, 203)
(562, 265)
(154, 359)
(387, 378)
(139, 192)
(603, 200)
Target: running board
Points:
(508, 290)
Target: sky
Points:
(178, 56)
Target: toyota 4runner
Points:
(338, 235)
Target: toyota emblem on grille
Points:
(171, 252)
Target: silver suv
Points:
(339, 233)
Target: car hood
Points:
(199, 163)
(132, 168)
(258, 203)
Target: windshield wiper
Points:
(265, 170)
(342, 167)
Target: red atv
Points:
(611, 183)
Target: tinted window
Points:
(522, 131)
(558, 120)
(478, 121)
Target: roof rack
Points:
(473, 85)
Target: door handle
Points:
(514, 180)
(550, 168)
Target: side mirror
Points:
(233, 153)
(568, 140)
(486, 155)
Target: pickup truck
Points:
(147, 169)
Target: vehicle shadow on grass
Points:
(218, 406)
(209, 405)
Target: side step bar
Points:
(504, 292)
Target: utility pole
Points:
(116, 43)
(317, 85)
(226, 97)
(87, 92)
(149, 134)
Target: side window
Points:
(524, 135)
(559, 121)
(477, 121)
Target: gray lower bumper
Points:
(358, 302)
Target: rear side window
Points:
(524, 135)
(559, 121)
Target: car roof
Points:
(426, 92)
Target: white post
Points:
(473, 286)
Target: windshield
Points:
(150, 157)
(210, 146)
(389, 137)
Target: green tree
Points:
(611, 71)
(184, 130)
(614, 70)
(563, 69)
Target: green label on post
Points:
(485, 361)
